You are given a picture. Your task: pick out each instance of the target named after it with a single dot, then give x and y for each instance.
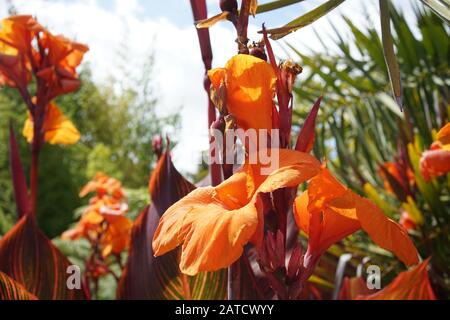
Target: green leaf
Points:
(149, 277)
(304, 20)
(440, 7)
(389, 54)
(275, 5)
(12, 290)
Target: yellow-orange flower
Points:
(19, 31)
(58, 129)
(328, 212)
(214, 223)
(103, 221)
(412, 284)
(117, 235)
(103, 184)
(16, 34)
(436, 161)
(250, 87)
(64, 56)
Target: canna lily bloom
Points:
(14, 69)
(436, 161)
(117, 235)
(16, 34)
(250, 88)
(19, 31)
(103, 221)
(213, 224)
(57, 128)
(102, 185)
(64, 56)
(412, 284)
(328, 212)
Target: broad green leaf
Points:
(304, 20)
(12, 290)
(389, 53)
(149, 277)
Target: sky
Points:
(167, 28)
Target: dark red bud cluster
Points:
(157, 145)
(286, 282)
(258, 52)
(228, 5)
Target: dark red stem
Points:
(199, 11)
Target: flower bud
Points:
(157, 145)
(258, 52)
(228, 5)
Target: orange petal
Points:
(335, 212)
(328, 226)
(385, 232)
(217, 76)
(117, 235)
(212, 235)
(250, 85)
(214, 224)
(434, 163)
(413, 284)
(18, 31)
(443, 135)
(57, 127)
(352, 287)
(323, 188)
(301, 213)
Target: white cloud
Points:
(179, 69)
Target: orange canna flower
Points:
(57, 128)
(16, 36)
(103, 221)
(328, 212)
(436, 161)
(213, 224)
(412, 284)
(250, 87)
(19, 31)
(102, 185)
(64, 56)
(117, 235)
(54, 58)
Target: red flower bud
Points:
(258, 52)
(228, 5)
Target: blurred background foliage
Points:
(360, 127)
(117, 120)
